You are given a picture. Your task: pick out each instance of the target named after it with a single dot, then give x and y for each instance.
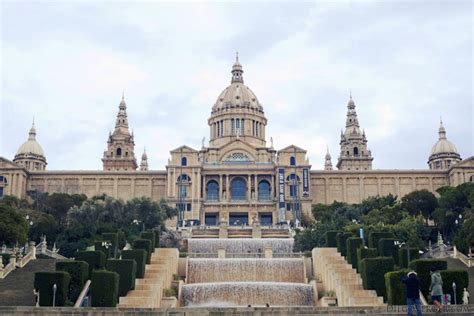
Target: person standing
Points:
(412, 292)
(436, 287)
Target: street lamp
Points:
(454, 293)
(55, 287)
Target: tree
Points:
(13, 226)
(465, 236)
(58, 204)
(377, 202)
(322, 213)
(420, 202)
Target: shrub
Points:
(373, 271)
(151, 237)
(127, 270)
(144, 244)
(95, 259)
(157, 232)
(341, 242)
(422, 268)
(331, 238)
(104, 288)
(114, 240)
(44, 282)
(396, 290)
(5, 259)
(107, 251)
(403, 258)
(352, 244)
(139, 255)
(387, 248)
(78, 271)
(363, 253)
(374, 238)
(460, 277)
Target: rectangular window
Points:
(232, 126)
(242, 127)
(256, 129)
(188, 207)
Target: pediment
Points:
(184, 149)
(291, 149)
(468, 162)
(237, 150)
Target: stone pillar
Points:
(32, 249)
(256, 186)
(223, 233)
(256, 229)
(268, 251)
(204, 193)
(227, 187)
(221, 253)
(249, 188)
(272, 183)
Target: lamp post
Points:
(454, 293)
(55, 287)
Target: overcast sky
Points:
(66, 64)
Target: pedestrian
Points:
(465, 297)
(412, 292)
(436, 287)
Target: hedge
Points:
(79, 273)
(374, 238)
(107, 251)
(422, 268)
(5, 259)
(373, 270)
(104, 288)
(387, 248)
(113, 239)
(363, 253)
(44, 282)
(151, 237)
(396, 289)
(144, 244)
(127, 270)
(139, 255)
(403, 258)
(331, 238)
(95, 259)
(157, 232)
(352, 244)
(460, 277)
(341, 242)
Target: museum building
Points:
(238, 175)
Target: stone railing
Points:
(4, 271)
(42, 249)
(17, 259)
(30, 255)
(467, 260)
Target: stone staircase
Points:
(148, 292)
(337, 275)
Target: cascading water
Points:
(240, 245)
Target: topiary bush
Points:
(114, 240)
(374, 238)
(396, 289)
(150, 235)
(373, 270)
(104, 288)
(157, 232)
(352, 244)
(422, 268)
(144, 244)
(330, 238)
(363, 253)
(127, 270)
(5, 259)
(341, 242)
(403, 256)
(44, 282)
(387, 248)
(139, 255)
(460, 277)
(78, 271)
(95, 259)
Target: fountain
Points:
(240, 245)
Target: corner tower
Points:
(30, 155)
(237, 113)
(354, 152)
(444, 153)
(120, 145)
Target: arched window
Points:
(292, 161)
(264, 191)
(183, 182)
(238, 189)
(356, 151)
(212, 191)
(185, 179)
(119, 152)
(184, 161)
(293, 184)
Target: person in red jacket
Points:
(412, 292)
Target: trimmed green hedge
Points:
(107, 251)
(144, 244)
(396, 289)
(373, 270)
(352, 244)
(78, 271)
(363, 253)
(374, 238)
(151, 237)
(422, 268)
(387, 248)
(341, 242)
(44, 282)
(127, 270)
(113, 238)
(95, 259)
(139, 255)
(460, 277)
(157, 232)
(104, 288)
(331, 238)
(403, 258)
(5, 259)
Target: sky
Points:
(66, 64)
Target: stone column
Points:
(272, 183)
(221, 198)
(379, 186)
(204, 193)
(249, 188)
(227, 187)
(256, 186)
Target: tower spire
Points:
(327, 162)
(442, 130)
(237, 70)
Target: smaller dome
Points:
(444, 146)
(31, 146)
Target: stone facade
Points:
(237, 176)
